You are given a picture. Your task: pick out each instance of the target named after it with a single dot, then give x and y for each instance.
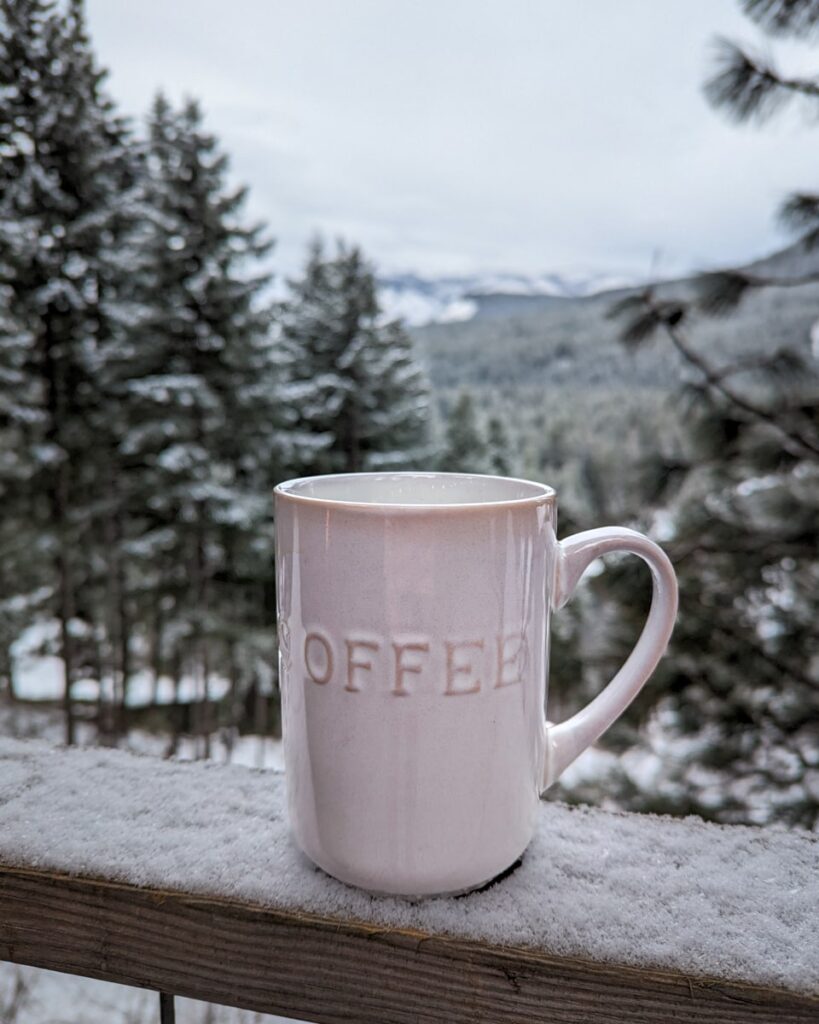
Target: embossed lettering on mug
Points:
(459, 663)
(317, 651)
(402, 667)
(355, 660)
(512, 657)
(465, 666)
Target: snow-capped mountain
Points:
(422, 300)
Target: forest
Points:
(157, 381)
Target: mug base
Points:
(494, 880)
(468, 890)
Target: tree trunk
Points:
(9, 672)
(124, 628)
(156, 649)
(66, 598)
(104, 724)
(111, 707)
(57, 398)
(205, 721)
(260, 722)
(176, 717)
(201, 591)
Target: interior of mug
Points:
(414, 489)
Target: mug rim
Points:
(541, 493)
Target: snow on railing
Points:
(182, 878)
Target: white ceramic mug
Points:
(413, 614)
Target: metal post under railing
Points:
(167, 1011)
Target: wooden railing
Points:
(182, 878)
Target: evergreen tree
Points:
(740, 736)
(66, 184)
(142, 418)
(362, 397)
(465, 449)
(499, 451)
(205, 423)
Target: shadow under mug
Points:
(413, 616)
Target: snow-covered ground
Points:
(38, 675)
(30, 721)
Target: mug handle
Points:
(565, 741)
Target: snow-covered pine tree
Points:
(465, 448)
(739, 736)
(65, 178)
(205, 413)
(363, 398)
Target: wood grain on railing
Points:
(331, 971)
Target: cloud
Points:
(457, 136)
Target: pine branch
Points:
(722, 291)
(650, 316)
(779, 666)
(783, 363)
(796, 442)
(775, 548)
(800, 213)
(647, 316)
(784, 17)
(749, 87)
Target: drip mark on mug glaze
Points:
(463, 667)
(283, 630)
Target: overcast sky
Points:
(452, 136)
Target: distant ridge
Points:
(795, 261)
(421, 300)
